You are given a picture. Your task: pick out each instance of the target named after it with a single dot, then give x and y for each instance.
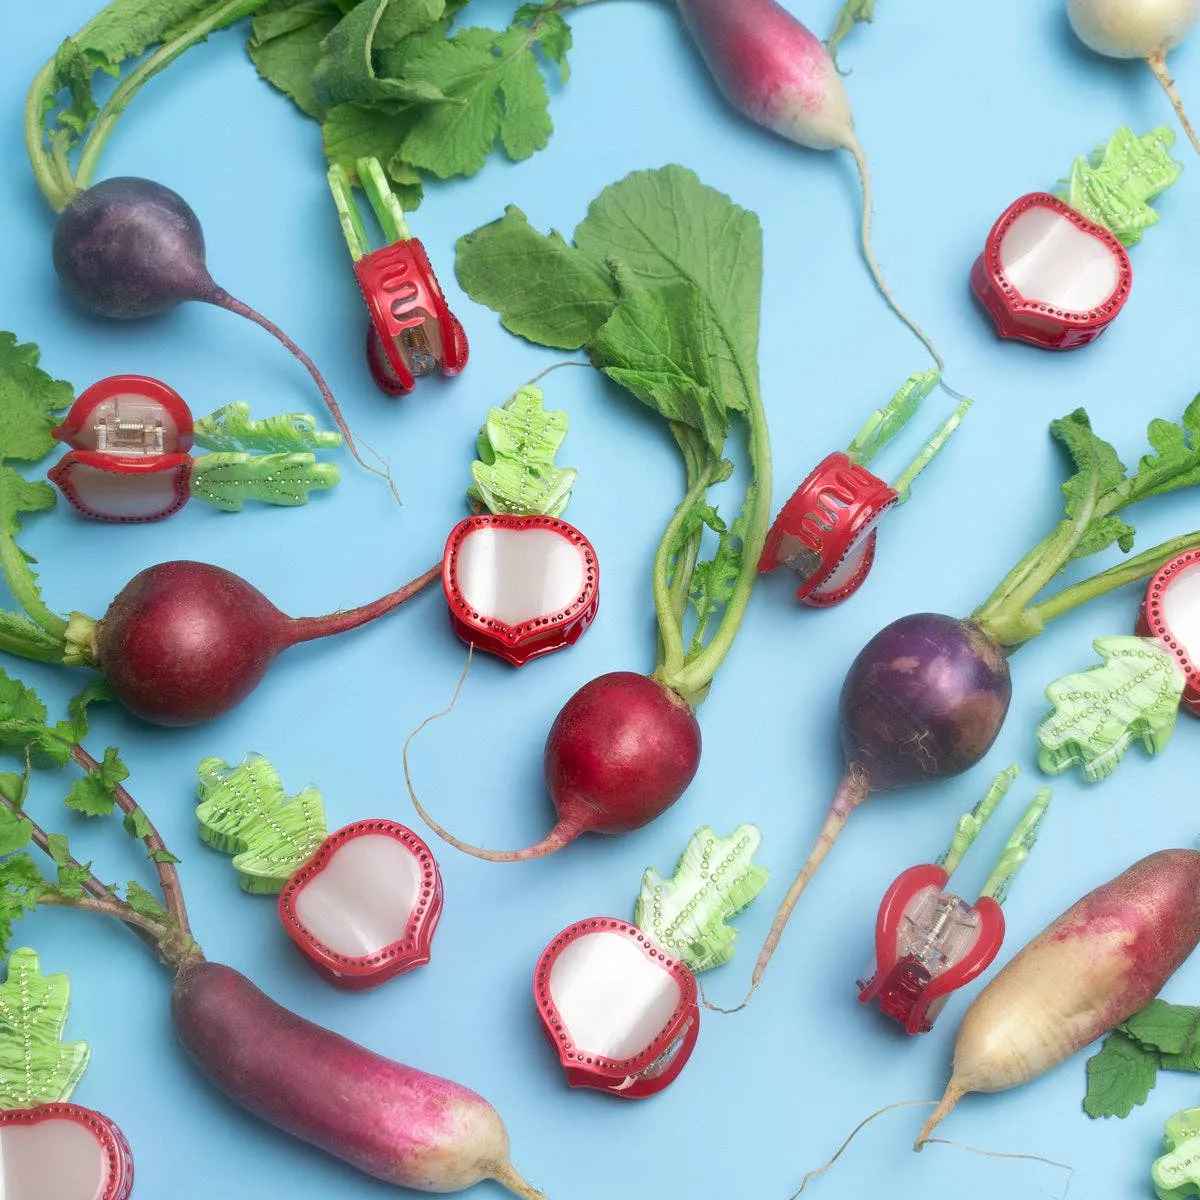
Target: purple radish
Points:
(926, 697)
(1105, 958)
(394, 1122)
(774, 71)
(128, 247)
(621, 751)
(185, 641)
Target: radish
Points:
(1100, 962)
(1145, 29)
(926, 697)
(777, 73)
(393, 1122)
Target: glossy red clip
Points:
(1168, 613)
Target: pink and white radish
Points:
(1170, 612)
(1105, 958)
(619, 1011)
(1145, 29)
(393, 1122)
(777, 73)
(361, 904)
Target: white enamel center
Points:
(124, 495)
(1050, 259)
(614, 1000)
(52, 1160)
(516, 575)
(362, 900)
(1181, 610)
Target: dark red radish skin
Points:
(924, 698)
(185, 641)
(621, 751)
(128, 247)
(117, 1181)
(1105, 958)
(390, 1121)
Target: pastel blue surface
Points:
(961, 108)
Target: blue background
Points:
(961, 108)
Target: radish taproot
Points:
(128, 247)
(927, 695)
(1145, 29)
(661, 263)
(393, 1122)
(1105, 958)
(774, 71)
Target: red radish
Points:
(185, 641)
(774, 71)
(1105, 958)
(64, 1152)
(394, 1122)
(364, 908)
(620, 1012)
(621, 751)
(1145, 29)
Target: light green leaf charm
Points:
(1115, 185)
(713, 881)
(244, 811)
(1099, 712)
(227, 480)
(232, 430)
(515, 473)
(36, 1065)
(1176, 1175)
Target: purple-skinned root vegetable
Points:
(1105, 958)
(927, 696)
(184, 641)
(774, 71)
(127, 248)
(393, 1122)
(621, 751)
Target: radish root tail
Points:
(558, 837)
(953, 1095)
(853, 1134)
(1037, 1158)
(506, 1175)
(864, 175)
(224, 300)
(1158, 64)
(852, 791)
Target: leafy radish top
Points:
(36, 1065)
(661, 287)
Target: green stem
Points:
(930, 451)
(56, 187)
(353, 229)
(23, 586)
(696, 675)
(167, 53)
(1130, 571)
(383, 200)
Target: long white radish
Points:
(1145, 29)
(1104, 959)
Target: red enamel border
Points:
(117, 1152)
(655, 1067)
(1032, 321)
(114, 385)
(117, 464)
(1152, 622)
(519, 643)
(979, 956)
(411, 950)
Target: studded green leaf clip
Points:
(1176, 1175)
(1100, 712)
(714, 880)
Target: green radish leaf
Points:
(285, 47)
(144, 902)
(353, 131)
(1114, 186)
(849, 15)
(95, 795)
(22, 886)
(1120, 1075)
(226, 481)
(1169, 1028)
(232, 430)
(15, 830)
(714, 880)
(515, 472)
(244, 811)
(30, 402)
(1097, 470)
(1176, 461)
(36, 1065)
(1100, 712)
